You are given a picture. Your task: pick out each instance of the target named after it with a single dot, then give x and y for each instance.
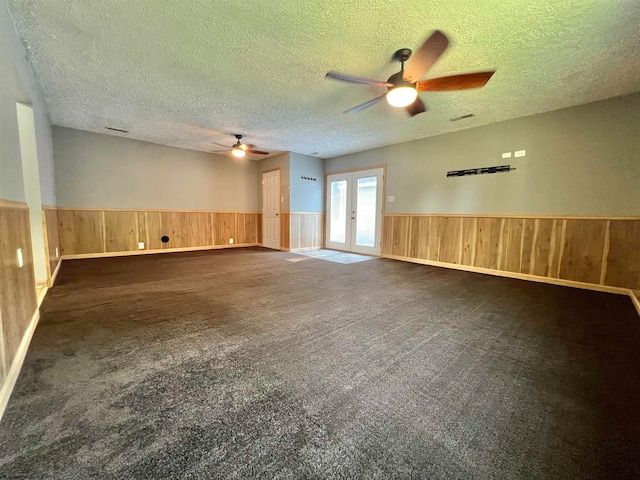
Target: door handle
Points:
(277, 214)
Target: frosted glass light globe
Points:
(237, 152)
(401, 96)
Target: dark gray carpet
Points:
(239, 364)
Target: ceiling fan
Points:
(403, 87)
(240, 149)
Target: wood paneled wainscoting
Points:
(285, 231)
(307, 230)
(596, 252)
(301, 230)
(18, 303)
(109, 232)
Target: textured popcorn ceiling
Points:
(186, 73)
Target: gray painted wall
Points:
(105, 171)
(11, 91)
(306, 195)
(582, 160)
(46, 164)
(281, 161)
(18, 84)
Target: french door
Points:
(354, 211)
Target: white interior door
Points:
(354, 211)
(271, 209)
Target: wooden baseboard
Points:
(519, 276)
(282, 249)
(41, 295)
(523, 276)
(149, 252)
(10, 381)
(635, 298)
(55, 273)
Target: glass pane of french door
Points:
(338, 219)
(366, 191)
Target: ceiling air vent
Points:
(469, 115)
(117, 129)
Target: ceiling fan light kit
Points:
(401, 96)
(239, 149)
(403, 87)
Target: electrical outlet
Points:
(20, 259)
(140, 245)
(231, 241)
(391, 198)
(57, 253)
(521, 153)
(506, 155)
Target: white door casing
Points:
(271, 209)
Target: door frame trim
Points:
(271, 170)
(351, 170)
(384, 199)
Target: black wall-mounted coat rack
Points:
(479, 171)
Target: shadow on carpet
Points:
(336, 256)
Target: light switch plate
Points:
(20, 259)
(391, 198)
(521, 153)
(506, 155)
(140, 245)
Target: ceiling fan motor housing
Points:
(397, 81)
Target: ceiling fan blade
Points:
(416, 107)
(364, 105)
(219, 151)
(455, 82)
(248, 150)
(425, 57)
(354, 79)
(221, 145)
